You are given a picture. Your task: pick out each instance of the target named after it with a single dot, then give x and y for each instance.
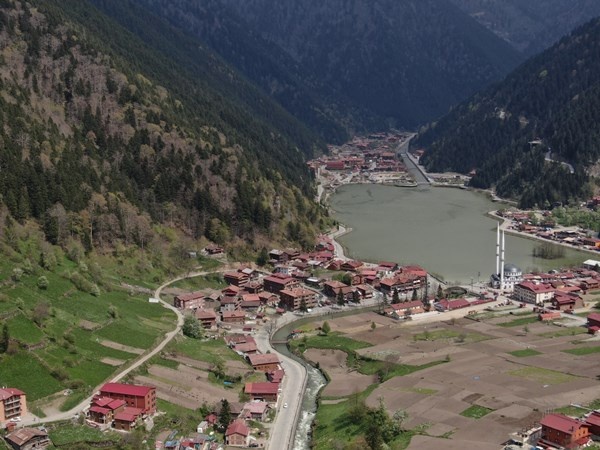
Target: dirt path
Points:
(31, 419)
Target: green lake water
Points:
(445, 230)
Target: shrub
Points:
(43, 283)
(17, 274)
(95, 290)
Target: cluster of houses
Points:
(558, 431)
(121, 406)
(262, 398)
(366, 159)
(292, 287)
(558, 290)
(522, 221)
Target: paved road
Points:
(294, 382)
(32, 420)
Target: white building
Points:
(507, 275)
(533, 293)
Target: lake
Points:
(445, 230)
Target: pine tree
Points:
(224, 415)
(4, 339)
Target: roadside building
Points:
(295, 299)
(136, 396)
(536, 294)
(263, 390)
(351, 266)
(13, 403)
(408, 308)
(255, 411)
(237, 434)
(264, 362)
(563, 431)
(192, 300)
(28, 439)
(451, 305)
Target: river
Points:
(445, 230)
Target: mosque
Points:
(507, 275)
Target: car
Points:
(15, 419)
(285, 405)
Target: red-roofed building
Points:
(593, 320)
(332, 288)
(127, 419)
(278, 282)
(537, 294)
(264, 362)
(255, 411)
(450, 305)
(294, 299)
(351, 266)
(408, 308)
(236, 278)
(207, 318)
(276, 376)
(265, 391)
(233, 317)
(268, 298)
(250, 301)
(237, 434)
(28, 439)
(136, 396)
(191, 300)
(566, 302)
(593, 423)
(13, 403)
(103, 409)
(563, 431)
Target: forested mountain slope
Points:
(261, 61)
(554, 98)
(405, 61)
(530, 26)
(117, 133)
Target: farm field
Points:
(473, 382)
(67, 325)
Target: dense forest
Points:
(530, 26)
(371, 64)
(536, 135)
(106, 133)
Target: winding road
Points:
(33, 420)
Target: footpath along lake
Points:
(445, 230)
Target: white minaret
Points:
(498, 249)
(502, 262)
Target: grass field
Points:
(541, 375)
(72, 354)
(524, 353)
(25, 372)
(476, 411)
(24, 330)
(211, 351)
(519, 322)
(449, 335)
(582, 351)
(213, 281)
(71, 434)
(570, 331)
(331, 341)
